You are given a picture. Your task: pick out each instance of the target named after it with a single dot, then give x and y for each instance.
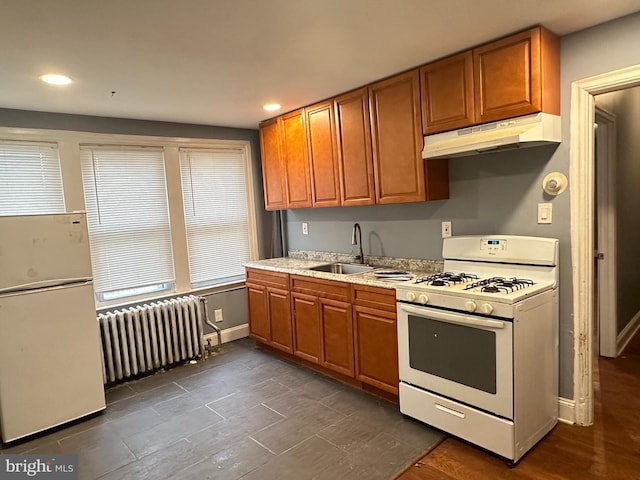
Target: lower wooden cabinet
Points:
(345, 328)
(337, 336)
(376, 337)
(269, 308)
(376, 348)
(323, 329)
(279, 308)
(306, 321)
(259, 325)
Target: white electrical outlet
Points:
(305, 228)
(446, 229)
(218, 314)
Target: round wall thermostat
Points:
(555, 183)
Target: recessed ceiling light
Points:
(55, 79)
(270, 107)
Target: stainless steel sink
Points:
(342, 268)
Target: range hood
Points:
(526, 131)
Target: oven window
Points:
(461, 354)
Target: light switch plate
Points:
(305, 228)
(545, 213)
(218, 314)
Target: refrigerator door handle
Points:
(57, 282)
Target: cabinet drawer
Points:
(267, 278)
(375, 297)
(321, 288)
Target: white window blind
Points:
(128, 219)
(214, 189)
(30, 179)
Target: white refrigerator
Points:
(50, 356)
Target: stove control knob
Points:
(470, 306)
(411, 296)
(423, 299)
(486, 308)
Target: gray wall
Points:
(493, 193)
(625, 105)
(233, 302)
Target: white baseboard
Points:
(625, 336)
(566, 410)
(229, 334)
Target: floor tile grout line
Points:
(273, 410)
(300, 442)
(263, 446)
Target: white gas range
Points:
(478, 344)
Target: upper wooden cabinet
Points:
(295, 159)
(353, 140)
(396, 135)
(517, 75)
(400, 173)
(447, 94)
(513, 76)
(323, 155)
(272, 169)
(285, 162)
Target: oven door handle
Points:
(453, 318)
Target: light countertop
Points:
(300, 266)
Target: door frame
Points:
(607, 319)
(582, 171)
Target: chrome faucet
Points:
(356, 239)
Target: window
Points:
(128, 219)
(30, 179)
(215, 196)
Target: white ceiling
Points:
(216, 62)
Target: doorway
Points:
(582, 173)
(605, 267)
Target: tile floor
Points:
(243, 413)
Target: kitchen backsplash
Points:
(410, 264)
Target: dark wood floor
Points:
(609, 449)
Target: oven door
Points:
(467, 358)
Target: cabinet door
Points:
(447, 94)
(258, 313)
(337, 336)
(353, 128)
(272, 168)
(508, 77)
(280, 319)
(306, 321)
(376, 343)
(396, 133)
(321, 138)
(295, 156)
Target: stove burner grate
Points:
(446, 278)
(500, 284)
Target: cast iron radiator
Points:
(139, 340)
